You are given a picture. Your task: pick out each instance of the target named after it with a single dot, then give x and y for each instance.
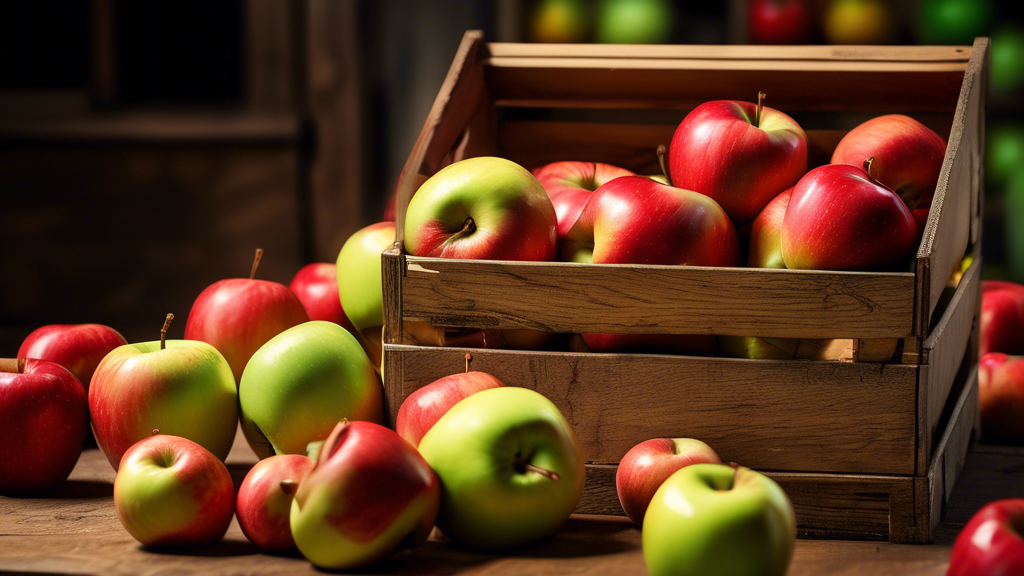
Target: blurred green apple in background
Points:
(634, 21)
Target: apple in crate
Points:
(424, 407)
(301, 383)
(170, 491)
(44, 412)
(907, 155)
(740, 154)
(571, 184)
(316, 286)
(840, 218)
(370, 495)
(77, 347)
(181, 387)
(709, 520)
(264, 501)
(1002, 317)
(992, 542)
(482, 208)
(766, 234)
(1001, 397)
(648, 464)
(238, 315)
(510, 465)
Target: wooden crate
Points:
(864, 449)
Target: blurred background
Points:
(148, 147)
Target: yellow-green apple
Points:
(1001, 397)
(1002, 317)
(992, 542)
(77, 347)
(360, 286)
(181, 387)
(316, 286)
(424, 407)
(907, 155)
(264, 501)
(44, 409)
(558, 21)
(481, 208)
(711, 520)
(571, 184)
(643, 469)
(370, 495)
(238, 315)
(840, 218)
(779, 21)
(858, 22)
(170, 491)
(511, 468)
(301, 383)
(634, 21)
(740, 154)
(766, 234)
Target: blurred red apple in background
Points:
(77, 347)
(238, 315)
(43, 408)
(779, 21)
(1002, 317)
(265, 501)
(1001, 397)
(643, 469)
(740, 154)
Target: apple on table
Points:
(264, 501)
(648, 464)
(1001, 397)
(44, 412)
(360, 284)
(424, 407)
(1002, 317)
(992, 542)
(77, 347)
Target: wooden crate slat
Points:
(951, 451)
(633, 299)
(908, 54)
(764, 414)
(949, 223)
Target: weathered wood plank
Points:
(774, 415)
(951, 452)
(633, 299)
(949, 223)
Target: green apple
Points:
(359, 274)
(303, 381)
(1004, 154)
(1008, 59)
(710, 520)
(511, 468)
(634, 21)
(953, 21)
(557, 21)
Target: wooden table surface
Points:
(75, 530)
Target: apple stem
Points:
(12, 365)
(256, 263)
(155, 432)
(468, 358)
(736, 472)
(760, 106)
(289, 486)
(662, 151)
(867, 166)
(163, 331)
(549, 474)
(468, 227)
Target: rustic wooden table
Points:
(74, 530)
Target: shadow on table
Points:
(71, 489)
(222, 549)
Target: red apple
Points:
(370, 495)
(482, 208)
(570, 185)
(44, 409)
(424, 407)
(991, 544)
(740, 154)
(170, 491)
(1001, 397)
(766, 234)
(316, 286)
(779, 21)
(648, 464)
(840, 218)
(238, 315)
(908, 155)
(265, 501)
(1002, 317)
(77, 347)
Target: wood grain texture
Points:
(951, 452)
(775, 415)
(633, 299)
(908, 54)
(949, 223)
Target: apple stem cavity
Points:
(662, 151)
(289, 486)
(468, 227)
(256, 263)
(155, 432)
(12, 365)
(163, 331)
(760, 107)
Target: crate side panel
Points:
(628, 299)
(797, 416)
